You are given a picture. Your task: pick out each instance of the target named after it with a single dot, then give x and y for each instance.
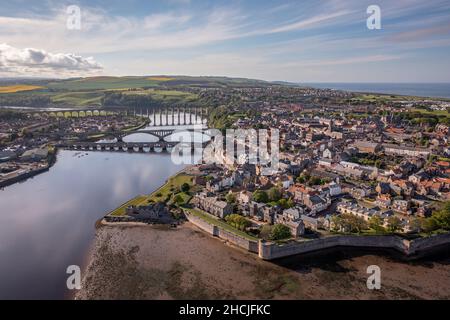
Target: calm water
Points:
(438, 90)
(47, 223)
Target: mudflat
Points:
(150, 262)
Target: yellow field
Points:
(160, 78)
(18, 88)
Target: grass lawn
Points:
(173, 183)
(219, 223)
(171, 186)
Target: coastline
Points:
(267, 250)
(29, 175)
(156, 262)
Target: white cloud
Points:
(312, 21)
(30, 61)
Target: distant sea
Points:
(436, 90)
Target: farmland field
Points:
(165, 95)
(19, 88)
(99, 83)
(79, 98)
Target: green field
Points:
(79, 98)
(172, 186)
(107, 91)
(374, 97)
(438, 113)
(103, 83)
(171, 96)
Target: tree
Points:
(178, 199)
(265, 231)
(429, 225)
(442, 217)
(286, 203)
(336, 223)
(185, 187)
(237, 221)
(378, 163)
(231, 198)
(274, 194)
(393, 224)
(415, 224)
(260, 196)
(376, 223)
(315, 181)
(355, 224)
(280, 232)
(348, 223)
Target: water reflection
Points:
(47, 222)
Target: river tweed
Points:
(48, 222)
(147, 262)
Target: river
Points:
(48, 222)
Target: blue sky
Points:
(299, 41)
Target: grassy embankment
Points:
(219, 223)
(168, 190)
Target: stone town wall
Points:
(202, 224)
(241, 242)
(271, 250)
(420, 246)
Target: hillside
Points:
(106, 91)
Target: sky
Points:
(295, 41)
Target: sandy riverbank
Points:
(149, 262)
